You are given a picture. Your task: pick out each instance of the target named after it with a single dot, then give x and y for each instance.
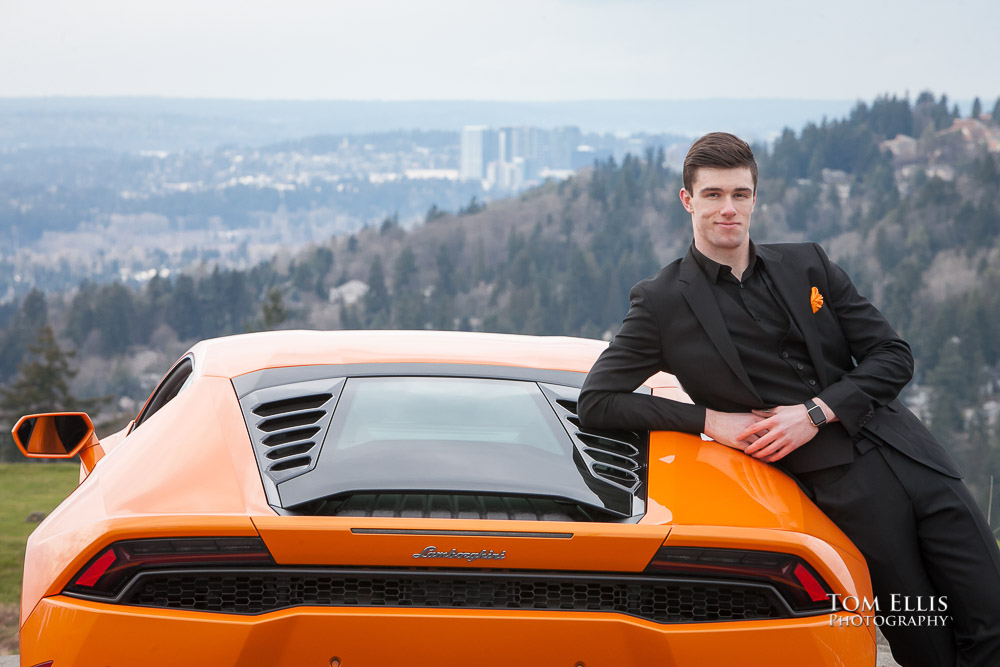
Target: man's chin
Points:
(733, 241)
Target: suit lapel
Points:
(698, 294)
(794, 290)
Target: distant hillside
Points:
(156, 124)
(905, 195)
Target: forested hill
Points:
(904, 194)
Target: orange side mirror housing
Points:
(59, 435)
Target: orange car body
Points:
(189, 470)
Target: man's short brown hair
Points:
(718, 150)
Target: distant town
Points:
(236, 206)
(510, 159)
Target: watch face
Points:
(816, 419)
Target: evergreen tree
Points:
(977, 109)
(445, 287)
(80, 320)
(115, 318)
(942, 117)
(445, 282)
(891, 116)
(184, 309)
(273, 311)
(924, 113)
(407, 298)
(377, 297)
(434, 213)
(390, 223)
(978, 456)
(237, 300)
(473, 207)
(23, 327)
(41, 385)
(309, 272)
(956, 380)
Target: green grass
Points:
(26, 488)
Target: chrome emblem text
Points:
(432, 552)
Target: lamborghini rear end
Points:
(432, 513)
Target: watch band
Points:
(815, 413)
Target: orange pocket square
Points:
(816, 299)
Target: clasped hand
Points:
(767, 435)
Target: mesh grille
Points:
(658, 600)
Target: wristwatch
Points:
(815, 413)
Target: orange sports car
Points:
(379, 499)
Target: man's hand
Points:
(728, 428)
(781, 431)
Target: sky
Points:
(523, 50)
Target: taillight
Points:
(800, 585)
(107, 573)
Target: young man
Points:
(785, 361)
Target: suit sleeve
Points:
(884, 363)
(607, 399)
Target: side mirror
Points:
(53, 436)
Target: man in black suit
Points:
(785, 361)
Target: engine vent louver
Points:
(287, 425)
(608, 458)
(291, 405)
(285, 437)
(290, 420)
(615, 456)
(449, 506)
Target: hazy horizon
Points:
(162, 123)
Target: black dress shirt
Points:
(769, 344)
(771, 348)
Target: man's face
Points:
(720, 205)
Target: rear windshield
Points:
(446, 435)
(471, 411)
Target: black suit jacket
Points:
(674, 325)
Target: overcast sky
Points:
(499, 50)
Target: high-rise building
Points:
(513, 157)
(473, 159)
(562, 145)
(517, 156)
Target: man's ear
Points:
(686, 200)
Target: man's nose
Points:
(728, 208)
